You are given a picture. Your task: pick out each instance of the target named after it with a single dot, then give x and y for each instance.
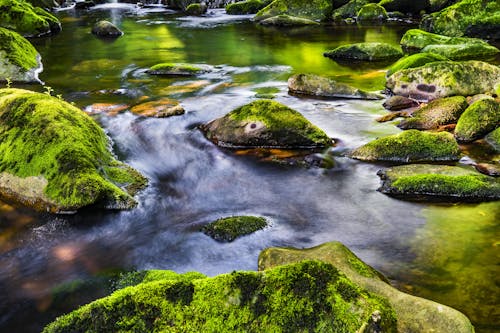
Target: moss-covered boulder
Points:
(425, 182)
(372, 12)
(19, 61)
(27, 20)
(414, 60)
(319, 86)
(229, 228)
(53, 157)
(177, 69)
(439, 112)
(317, 10)
(365, 52)
(478, 119)
(494, 139)
(287, 21)
(414, 314)
(349, 10)
(405, 6)
(196, 9)
(106, 29)
(309, 296)
(445, 78)
(463, 51)
(475, 18)
(410, 146)
(265, 123)
(245, 7)
(417, 39)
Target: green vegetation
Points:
(266, 92)
(365, 52)
(416, 40)
(17, 50)
(319, 10)
(27, 20)
(287, 21)
(349, 10)
(196, 9)
(478, 120)
(245, 7)
(371, 12)
(463, 51)
(176, 69)
(414, 60)
(134, 278)
(229, 228)
(410, 146)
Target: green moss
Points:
(312, 9)
(18, 50)
(65, 146)
(410, 146)
(134, 278)
(478, 120)
(414, 60)
(365, 52)
(463, 51)
(494, 139)
(245, 7)
(229, 228)
(287, 21)
(25, 19)
(266, 92)
(310, 296)
(349, 10)
(416, 39)
(196, 9)
(168, 68)
(372, 12)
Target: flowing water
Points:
(448, 253)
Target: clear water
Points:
(448, 253)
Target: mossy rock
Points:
(245, 7)
(365, 52)
(439, 112)
(178, 69)
(19, 60)
(316, 10)
(196, 9)
(265, 124)
(372, 12)
(106, 29)
(445, 78)
(27, 20)
(309, 296)
(287, 21)
(229, 228)
(414, 314)
(475, 18)
(414, 60)
(417, 39)
(463, 51)
(410, 146)
(397, 103)
(494, 139)
(405, 6)
(478, 119)
(349, 10)
(134, 278)
(53, 157)
(426, 182)
(319, 86)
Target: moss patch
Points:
(229, 228)
(245, 7)
(463, 51)
(17, 50)
(365, 52)
(478, 120)
(177, 69)
(413, 61)
(287, 21)
(372, 12)
(417, 39)
(349, 10)
(314, 9)
(27, 20)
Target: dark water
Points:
(448, 253)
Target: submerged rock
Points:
(365, 52)
(106, 29)
(162, 108)
(178, 69)
(245, 7)
(27, 20)
(413, 314)
(437, 113)
(54, 157)
(417, 39)
(319, 10)
(425, 182)
(445, 78)
(480, 118)
(372, 12)
(19, 61)
(314, 85)
(287, 21)
(410, 146)
(265, 123)
(463, 51)
(413, 61)
(229, 228)
(397, 103)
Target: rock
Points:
(410, 146)
(416, 40)
(439, 112)
(365, 52)
(489, 169)
(445, 78)
(309, 296)
(106, 29)
(463, 51)
(405, 6)
(19, 61)
(314, 85)
(429, 182)
(196, 9)
(396, 103)
(177, 69)
(245, 7)
(372, 12)
(229, 228)
(27, 20)
(414, 60)
(392, 116)
(316, 10)
(494, 139)
(55, 158)
(349, 10)
(414, 314)
(162, 108)
(265, 123)
(478, 119)
(475, 18)
(287, 21)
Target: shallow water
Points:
(448, 253)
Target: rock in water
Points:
(397, 103)
(106, 29)
(27, 20)
(245, 7)
(287, 21)
(178, 69)
(372, 12)
(494, 139)
(414, 60)
(229, 228)
(463, 51)
(365, 52)
(316, 10)
(19, 61)
(265, 123)
(416, 40)
(53, 157)
(480, 118)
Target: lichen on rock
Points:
(365, 52)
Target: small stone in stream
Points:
(396, 103)
(161, 108)
(488, 169)
(229, 228)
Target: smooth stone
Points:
(364, 52)
(106, 29)
(477, 120)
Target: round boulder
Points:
(106, 29)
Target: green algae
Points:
(372, 12)
(229, 228)
(27, 20)
(365, 52)
(245, 7)
(478, 119)
(414, 60)
(314, 10)
(18, 50)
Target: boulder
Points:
(245, 7)
(365, 52)
(429, 182)
(316, 10)
(439, 112)
(405, 6)
(410, 146)
(349, 10)
(414, 60)
(178, 69)
(417, 39)
(397, 103)
(372, 12)
(265, 123)
(445, 78)
(19, 61)
(27, 20)
(196, 9)
(318, 86)
(54, 157)
(494, 139)
(106, 29)
(478, 119)
(414, 314)
(161, 108)
(287, 21)
(309, 296)
(229, 228)
(463, 51)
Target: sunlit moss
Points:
(414, 60)
(17, 50)
(245, 7)
(27, 20)
(229, 228)
(416, 39)
(478, 120)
